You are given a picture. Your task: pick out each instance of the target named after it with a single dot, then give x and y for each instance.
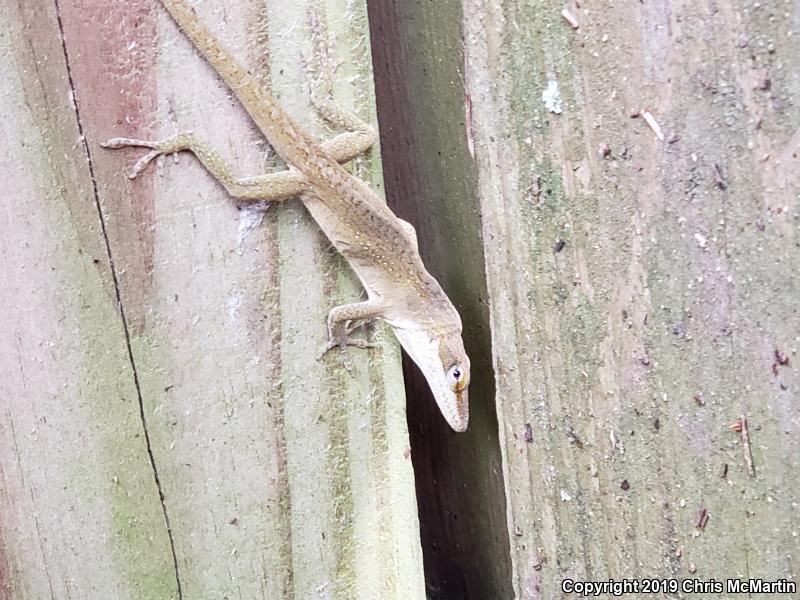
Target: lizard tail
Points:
(293, 143)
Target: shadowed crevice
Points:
(429, 178)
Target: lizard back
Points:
(348, 211)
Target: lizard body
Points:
(380, 247)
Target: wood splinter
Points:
(741, 427)
(651, 121)
(570, 18)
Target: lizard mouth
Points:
(462, 410)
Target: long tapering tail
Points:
(291, 141)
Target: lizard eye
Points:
(458, 378)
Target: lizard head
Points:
(445, 365)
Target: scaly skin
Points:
(380, 247)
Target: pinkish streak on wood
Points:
(111, 47)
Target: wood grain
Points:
(165, 419)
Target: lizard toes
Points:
(142, 163)
(343, 343)
(346, 363)
(353, 326)
(121, 142)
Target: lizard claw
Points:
(351, 326)
(343, 343)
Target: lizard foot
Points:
(171, 145)
(343, 342)
(352, 326)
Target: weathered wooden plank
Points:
(281, 476)
(80, 515)
(639, 288)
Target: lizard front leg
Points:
(339, 320)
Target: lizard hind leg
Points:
(344, 319)
(274, 187)
(358, 136)
(171, 145)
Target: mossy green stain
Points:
(140, 548)
(536, 63)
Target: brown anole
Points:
(380, 247)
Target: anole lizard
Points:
(380, 247)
